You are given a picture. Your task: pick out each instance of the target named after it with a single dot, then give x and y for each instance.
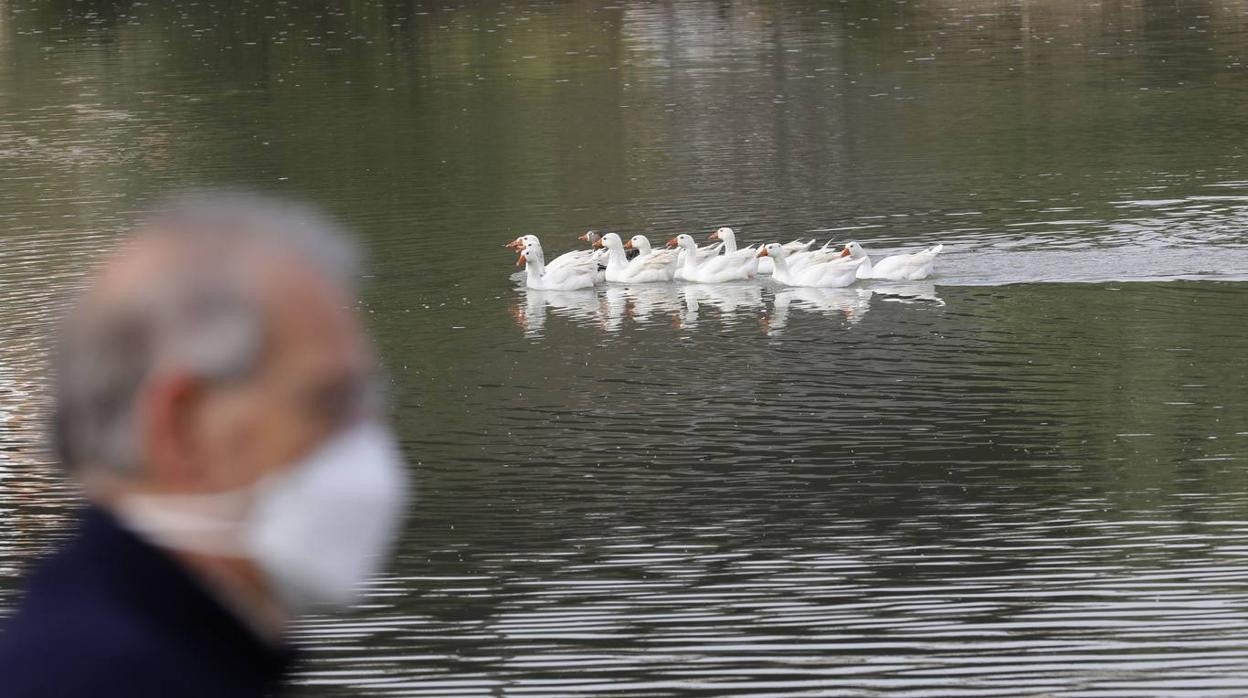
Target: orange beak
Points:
(514, 244)
(597, 243)
(845, 252)
(713, 236)
(672, 243)
(628, 245)
(763, 253)
(520, 261)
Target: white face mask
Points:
(318, 529)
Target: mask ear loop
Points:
(171, 521)
(209, 524)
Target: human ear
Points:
(168, 447)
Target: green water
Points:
(1025, 476)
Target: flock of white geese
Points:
(798, 263)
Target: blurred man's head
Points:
(212, 356)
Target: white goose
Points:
(573, 257)
(711, 270)
(641, 244)
(643, 269)
(834, 273)
(593, 236)
(747, 257)
(580, 273)
(898, 267)
(805, 257)
(797, 256)
(703, 253)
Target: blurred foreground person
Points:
(215, 401)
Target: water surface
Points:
(1024, 476)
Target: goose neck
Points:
(689, 257)
(781, 264)
(535, 267)
(864, 267)
(617, 258)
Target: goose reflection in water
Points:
(641, 303)
(682, 305)
(851, 304)
(531, 308)
(728, 299)
(908, 292)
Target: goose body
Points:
(898, 267)
(640, 270)
(703, 253)
(834, 273)
(797, 253)
(805, 257)
(580, 273)
(665, 258)
(746, 258)
(711, 270)
(573, 258)
(593, 236)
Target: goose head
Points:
(590, 236)
(726, 234)
(683, 241)
(528, 254)
(773, 249)
(524, 241)
(638, 242)
(609, 241)
(854, 250)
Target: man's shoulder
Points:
(109, 614)
(87, 626)
(86, 650)
(65, 608)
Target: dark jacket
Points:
(110, 615)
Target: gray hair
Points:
(200, 315)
